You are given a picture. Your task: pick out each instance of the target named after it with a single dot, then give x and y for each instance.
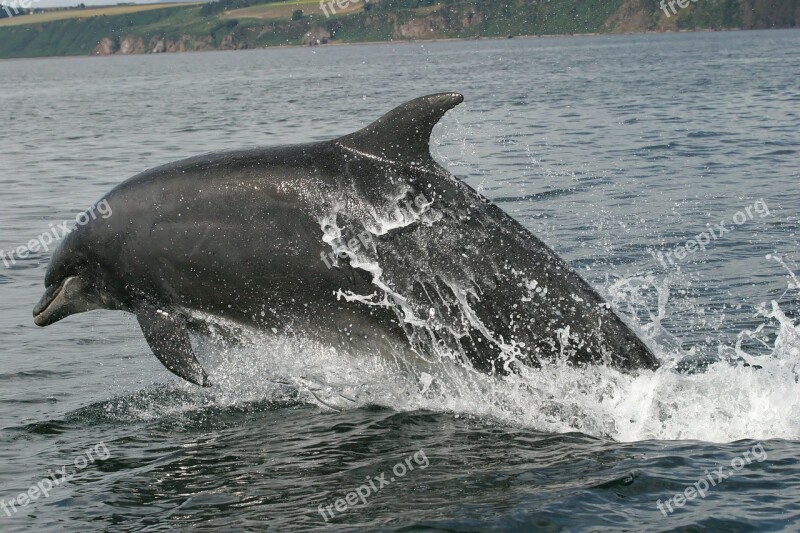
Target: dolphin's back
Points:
(454, 268)
(360, 242)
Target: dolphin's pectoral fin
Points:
(402, 135)
(168, 337)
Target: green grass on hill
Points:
(283, 10)
(50, 16)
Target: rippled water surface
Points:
(611, 149)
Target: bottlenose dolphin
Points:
(359, 242)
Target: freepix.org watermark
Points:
(364, 239)
(715, 232)
(54, 479)
(325, 5)
(56, 232)
(373, 485)
(15, 6)
(712, 479)
(681, 4)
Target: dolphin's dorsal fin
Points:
(402, 135)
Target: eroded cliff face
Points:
(159, 45)
(105, 47)
(420, 28)
(634, 17)
(130, 45)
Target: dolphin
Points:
(360, 242)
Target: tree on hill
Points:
(333, 27)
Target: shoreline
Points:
(408, 42)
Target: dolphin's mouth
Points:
(53, 299)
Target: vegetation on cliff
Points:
(237, 24)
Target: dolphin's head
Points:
(73, 283)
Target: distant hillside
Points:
(239, 24)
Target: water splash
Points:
(724, 402)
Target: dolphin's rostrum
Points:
(240, 235)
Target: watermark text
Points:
(373, 485)
(712, 479)
(55, 478)
(54, 234)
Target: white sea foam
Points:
(722, 403)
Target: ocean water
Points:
(612, 149)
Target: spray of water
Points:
(725, 401)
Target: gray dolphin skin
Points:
(361, 243)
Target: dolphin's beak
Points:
(60, 301)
